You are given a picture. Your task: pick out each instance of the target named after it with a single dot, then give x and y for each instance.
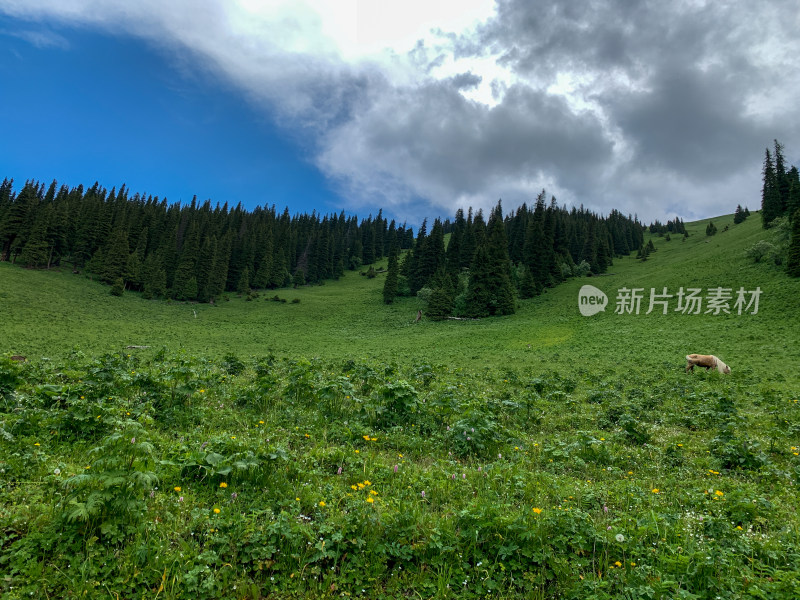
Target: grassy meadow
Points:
(334, 448)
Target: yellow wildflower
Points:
(223, 484)
(177, 488)
(538, 511)
(370, 499)
(322, 503)
(216, 511)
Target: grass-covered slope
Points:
(50, 314)
(542, 455)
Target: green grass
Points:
(50, 314)
(648, 482)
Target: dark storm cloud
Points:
(691, 91)
(441, 146)
(647, 106)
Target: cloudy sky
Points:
(419, 107)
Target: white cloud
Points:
(651, 109)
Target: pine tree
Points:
(440, 303)
(711, 229)
(537, 253)
(770, 194)
(243, 286)
(794, 192)
(118, 287)
(529, 287)
(781, 179)
(479, 296)
(154, 278)
(205, 264)
(738, 216)
(793, 257)
(36, 252)
(219, 269)
(116, 257)
(390, 285)
(489, 290)
(182, 287)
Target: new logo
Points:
(591, 300)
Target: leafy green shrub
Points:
(633, 430)
(476, 434)
(395, 403)
(761, 251)
(108, 498)
(10, 376)
(232, 364)
(734, 452)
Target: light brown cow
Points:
(709, 361)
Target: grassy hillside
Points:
(50, 314)
(334, 448)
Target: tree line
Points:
(186, 252)
(197, 252)
(780, 191)
(488, 264)
(780, 198)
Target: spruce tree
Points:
(390, 285)
(535, 257)
(219, 269)
(118, 287)
(185, 272)
(36, 252)
(154, 278)
(770, 194)
(529, 287)
(794, 192)
(738, 216)
(781, 179)
(205, 263)
(479, 296)
(116, 257)
(440, 302)
(489, 290)
(793, 257)
(243, 286)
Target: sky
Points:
(653, 108)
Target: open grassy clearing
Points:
(559, 455)
(49, 314)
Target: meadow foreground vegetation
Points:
(343, 451)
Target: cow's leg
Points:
(690, 367)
